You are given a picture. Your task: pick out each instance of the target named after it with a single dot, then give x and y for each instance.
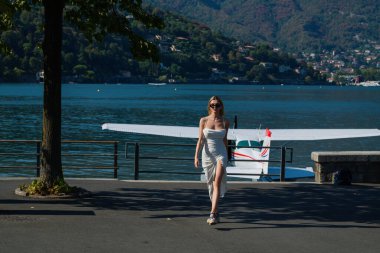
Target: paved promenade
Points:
(122, 216)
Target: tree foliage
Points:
(96, 19)
(370, 74)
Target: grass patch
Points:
(38, 187)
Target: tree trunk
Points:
(51, 164)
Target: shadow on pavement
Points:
(305, 205)
(254, 206)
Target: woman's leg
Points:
(216, 186)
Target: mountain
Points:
(189, 52)
(293, 25)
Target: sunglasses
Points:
(215, 105)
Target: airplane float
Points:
(252, 145)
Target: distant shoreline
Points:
(196, 83)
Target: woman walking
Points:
(213, 138)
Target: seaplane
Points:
(250, 155)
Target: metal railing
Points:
(37, 154)
(137, 157)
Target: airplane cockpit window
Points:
(243, 143)
(249, 143)
(255, 144)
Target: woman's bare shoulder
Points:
(203, 119)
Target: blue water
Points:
(86, 107)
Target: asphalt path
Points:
(130, 216)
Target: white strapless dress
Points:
(213, 151)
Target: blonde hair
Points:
(219, 101)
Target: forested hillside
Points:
(190, 52)
(293, 25)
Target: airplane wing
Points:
(310, 134)
(277, 134)
(173, 131)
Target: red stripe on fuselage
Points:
(264, 152)
(243, 155)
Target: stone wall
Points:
(364, 166)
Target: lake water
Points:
(85, 107)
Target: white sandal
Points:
(213, 219)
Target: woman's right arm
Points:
(199, 143)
